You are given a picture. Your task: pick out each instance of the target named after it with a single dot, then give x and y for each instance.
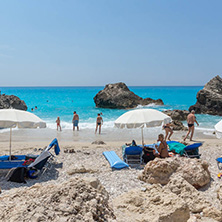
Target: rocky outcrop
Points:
(194, 199)
(194, 171)
(209, 99)
(176, 114)
(177, 125)
(11, 101)
(73, 200)
(154, 203)
(212, 212)
(118, 96)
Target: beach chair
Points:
(37, 167)
(132, 155)
(191, 151)
(41, 163)
(114, 160)
(219, 163)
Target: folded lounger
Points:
(114, 160)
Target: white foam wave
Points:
(151, 105)
(7, 130)
(82, 125)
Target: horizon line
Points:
(105, 85)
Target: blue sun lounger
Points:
(219, 163)
(19, 160)
(114, 160)
(191, 151)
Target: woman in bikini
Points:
(99, 121)
(162, 148)
(168, 131)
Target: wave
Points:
(82, 125)
(151, 105)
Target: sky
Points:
(96, 42)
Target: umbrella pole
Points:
(142, 137)
(10, 145)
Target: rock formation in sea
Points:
(209, 99)
(11, 101)
(118, 96)
(177, 116)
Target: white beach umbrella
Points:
(141, 118)
(10, 118)
(218, 128)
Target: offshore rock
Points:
(118, 96)
(177, 125)
(11, 101)
(209, 99)
(176, 114)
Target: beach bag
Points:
(17, 175)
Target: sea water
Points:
(52, 102)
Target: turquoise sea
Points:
(62, 101)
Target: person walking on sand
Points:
(58, 124)
(99, 121)
(191, 119)
(75, 121)
(168, 130)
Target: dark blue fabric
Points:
(219, 159)
(193, 146)
(19, 157)
(133, 150)
(11, 164)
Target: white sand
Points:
(90, 156)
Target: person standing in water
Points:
(75, 121)
(191, 119)
(99, 121)
(58, 124)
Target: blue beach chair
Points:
(18, 160)
(191, 151)
(132, 155)
(219, 163)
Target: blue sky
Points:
(95, 42)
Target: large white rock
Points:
(155, 203)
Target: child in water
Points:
(58, 123)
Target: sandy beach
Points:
(87, 160)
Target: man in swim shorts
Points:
(99, 121)
(191, 119)
(75, 121)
